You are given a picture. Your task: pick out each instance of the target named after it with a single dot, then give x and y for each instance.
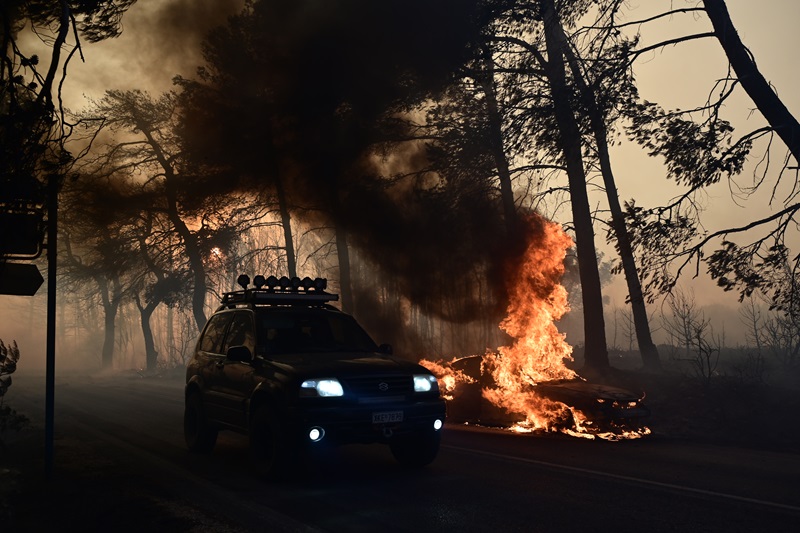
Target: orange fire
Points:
(539, 352)
(448, 377)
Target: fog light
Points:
(437, 424)
(316, 434)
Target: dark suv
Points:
(278, 363)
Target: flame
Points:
(448, 377)
(539, 352)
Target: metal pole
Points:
(50, 378)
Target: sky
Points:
(682, 77)
(162, 39)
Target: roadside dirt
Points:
(725, 411)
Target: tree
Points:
(613, 87)
(154, 282)
(217, 126)
(602, 86)
(596, 355)
(689, 326)
(94, 254)
(757, 87)
(152, 153)
(699, 154)
(33, 130)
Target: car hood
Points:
(335, 364)
(573, 390)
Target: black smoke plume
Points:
(310, 94)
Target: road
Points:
(483, 480)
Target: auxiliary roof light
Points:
(284, 283)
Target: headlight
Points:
(425, 383)
(321, 387)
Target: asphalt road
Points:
(483, 480)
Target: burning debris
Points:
(527, 384)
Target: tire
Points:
(271, 451)
(417, 449)
(199, 434)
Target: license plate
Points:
(387, 417)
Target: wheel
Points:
(200, 435)
(271, 450)
(417, 449)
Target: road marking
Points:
(630, 479)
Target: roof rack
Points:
(279, 291)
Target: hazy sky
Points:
(683, 76)
(161, 39)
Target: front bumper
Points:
(348, 423)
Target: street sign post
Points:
(21, 234)
(20, 279)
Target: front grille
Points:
(379, 386)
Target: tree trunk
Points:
(647, 347)
(110, 306)
(345, 283)
(286, 222)
(496, 142)
(146, 312)
(753, 82)
(171, 336)
(199, 272)
(150, 353)
(596, 352)
(189, 238)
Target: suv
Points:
(280, 364)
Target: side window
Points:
(215, 330)
(241, 332)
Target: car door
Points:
(238, 380)
(211, 360)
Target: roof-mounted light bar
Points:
(282, 290)
(285, 283)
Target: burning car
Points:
(575, 403)
(528, 385)
(601, 403)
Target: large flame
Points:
(539, 352)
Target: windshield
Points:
(289, 332)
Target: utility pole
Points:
(50, 376)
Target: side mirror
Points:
(385, 349)
(239, 353)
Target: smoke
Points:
(158, 40)
(311, 95)
(311, 91)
